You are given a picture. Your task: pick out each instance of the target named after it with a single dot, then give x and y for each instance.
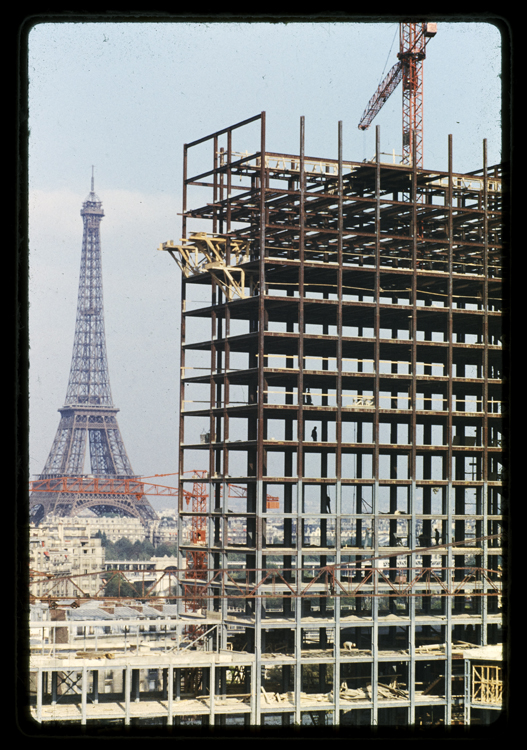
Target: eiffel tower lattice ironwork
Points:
(88, 416)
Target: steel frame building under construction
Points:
(343, 492)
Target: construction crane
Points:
(91, 485)
(413, 38)
(135, 486)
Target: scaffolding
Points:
(341, 344)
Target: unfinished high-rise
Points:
(342, 493)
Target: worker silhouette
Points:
(308, 400)
(327, 504)
(437, 536)
(314, 434)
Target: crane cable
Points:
(389, 53)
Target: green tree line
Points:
(124, 549)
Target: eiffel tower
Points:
(88, 415)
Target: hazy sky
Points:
(125, 97)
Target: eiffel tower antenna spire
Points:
(88, 415)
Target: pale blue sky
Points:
(125, 97)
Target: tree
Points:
(102, 536)
(117, 585)
(169, 550)
(124, 548)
